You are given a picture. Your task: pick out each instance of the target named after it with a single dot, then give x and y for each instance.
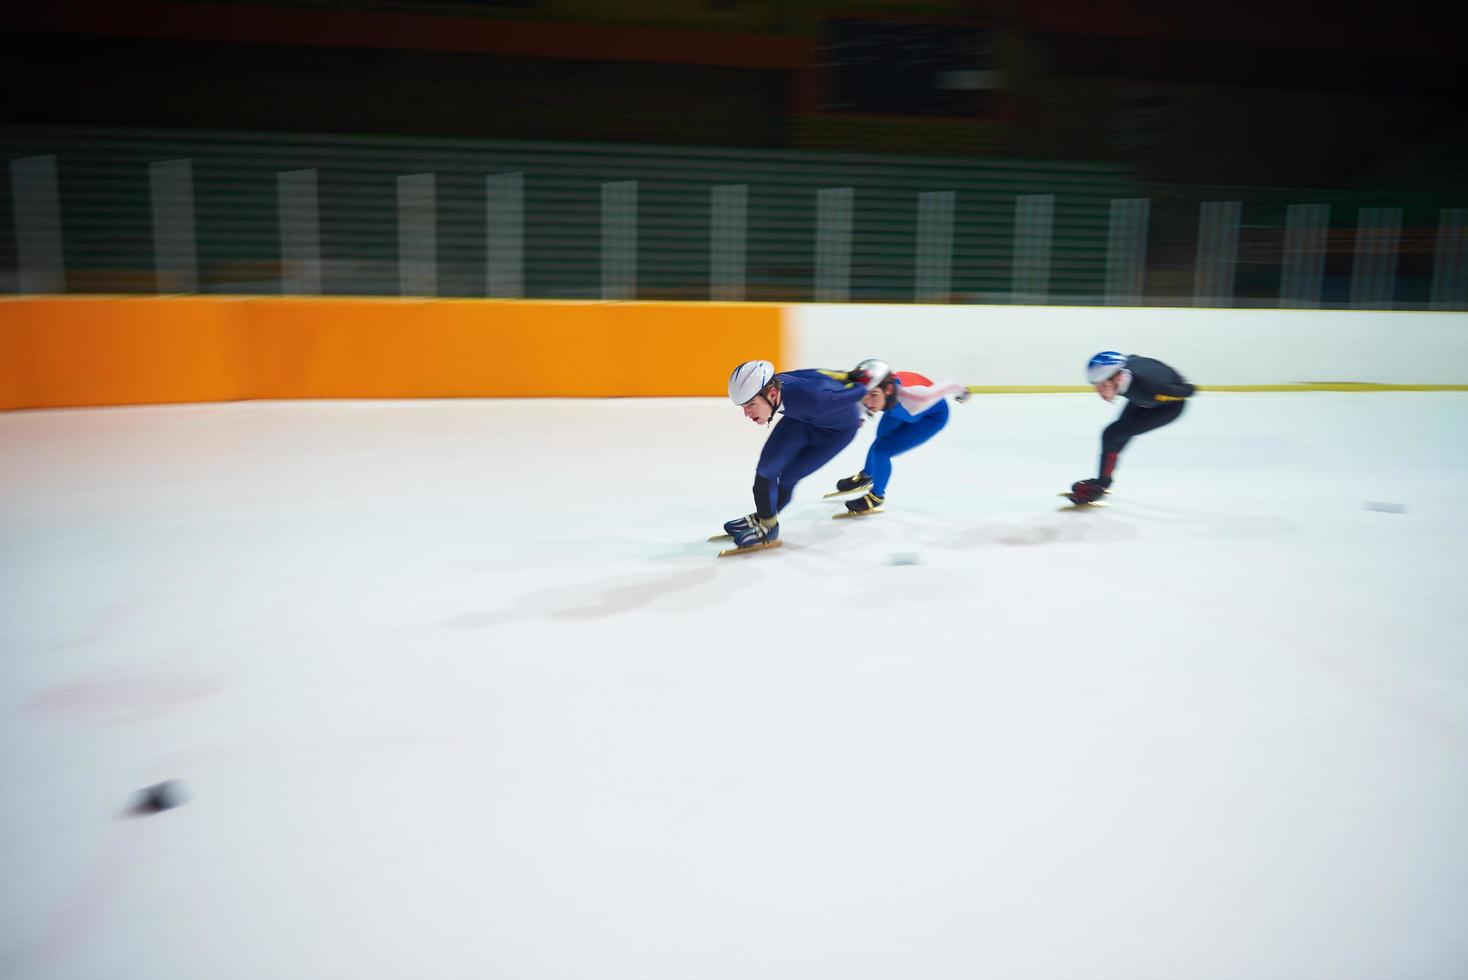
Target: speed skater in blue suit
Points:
(821, 412)
(913, 412)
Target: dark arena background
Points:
(383, 386)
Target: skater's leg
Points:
(820, 449)
(1131, 422)
(787, 443)
(1156, 418)
(879, 457)
(901, 438)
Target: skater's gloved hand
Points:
(963, 396)
(866, 416)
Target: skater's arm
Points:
(858, 383)
(806, 393)
(852, 394)
(920, 398)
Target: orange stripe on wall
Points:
(94, 351)
(75, 351)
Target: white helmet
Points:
(749, 379)
(877, 372)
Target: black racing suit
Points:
(1155, 398)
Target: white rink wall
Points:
(1047, 345)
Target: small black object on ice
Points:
(159, 797)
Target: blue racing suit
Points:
(822, 413)
(902, 428)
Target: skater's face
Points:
(1107, 389)
(875, 400)
(759, 408)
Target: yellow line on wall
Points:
(1334, 386)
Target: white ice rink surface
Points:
(459, 690)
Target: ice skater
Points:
(1155, 395)
(913, 411)
(822, 411)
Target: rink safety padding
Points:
(61, 351)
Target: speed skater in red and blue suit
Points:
(914, 410)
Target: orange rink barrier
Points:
(60, 351)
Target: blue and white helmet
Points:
(749, 379)
(1104, 365)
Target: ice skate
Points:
(734, 527)
(864, 506)
(856, 483)
(757, 538)
(1084, 494)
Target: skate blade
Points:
(1093, 505)
(754, 547)
(847, 493)
(856, 513)
(722, 537)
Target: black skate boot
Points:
(1084, 492)
(868, 504)
(856, 483)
